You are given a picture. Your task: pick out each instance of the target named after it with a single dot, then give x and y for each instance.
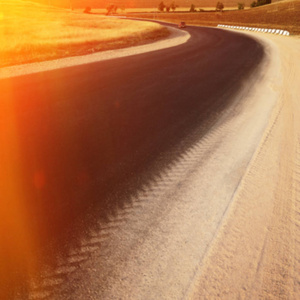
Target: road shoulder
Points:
(256, 252)
(176, 37)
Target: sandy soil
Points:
(256, 253)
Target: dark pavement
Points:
(82, 133)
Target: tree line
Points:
(112, 8)
(162, 6)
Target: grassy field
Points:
(154, 9)
(133, 4)
(32, 32)
(282, 15)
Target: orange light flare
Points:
(17, 245)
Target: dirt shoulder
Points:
(175, 38)
(256, 253)
(31, 32)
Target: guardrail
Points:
(263, 30)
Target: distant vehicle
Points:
(181, 25)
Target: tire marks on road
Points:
(256, 253)
(163, 231)
(146, 201)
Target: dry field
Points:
(138, 4)
(282, 15)
(154, 9)
(32, 32)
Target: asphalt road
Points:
(86, 137)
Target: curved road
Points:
(116, 165)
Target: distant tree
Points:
(87, 10)
(241, 6)
(168, 8)
(193, 8)
(220, 6)
(263, 2)
(253, 4)
(111, 9)
(173, 6)
(161, 6)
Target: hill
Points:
(140, 3)
(281, 15)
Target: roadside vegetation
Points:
(283, 15)
(31, 32)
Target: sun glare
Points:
(16, 238)
(31, 32)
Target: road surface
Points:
(135, 172)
